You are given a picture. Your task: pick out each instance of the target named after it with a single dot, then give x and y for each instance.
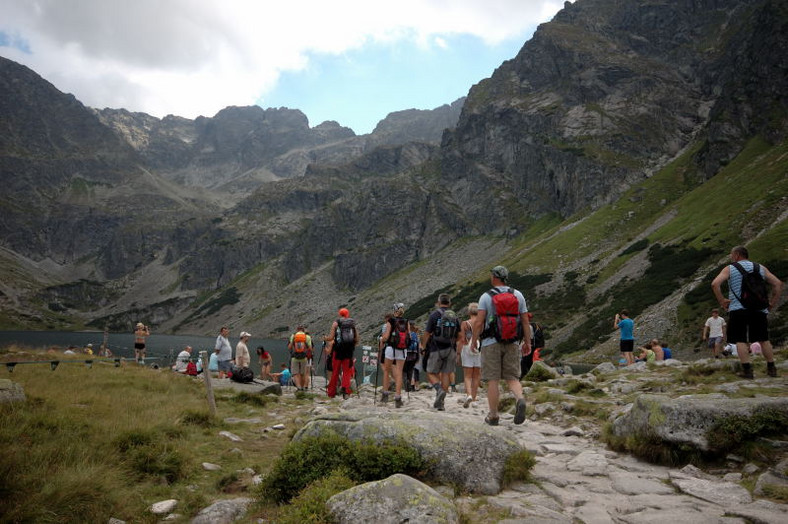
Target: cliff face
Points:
(179, 218)
(609, 91)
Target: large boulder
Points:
(689, 420)
(471, 457)
(396, 499)
(11, 392)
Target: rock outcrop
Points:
(396, 499)
(472, 458)
(690, 420)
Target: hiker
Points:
(646, 354)
(299, 344)
(470, 358)
(748, 306)
(666, 352)
(88, 349)
(141, 332)
(328, 367)
(714, 332)
(182, 360)
(382, 346)
(344, 339)
(411, 357)
(441, 336)
(396, 339)
(242, 357)
(224, 352)
(282, 377)
(537, 341)
(626, 327)
(656, 347)
(499, 326)
(266, 363)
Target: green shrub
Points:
(148, 454)
(255, 399)
(731, 432)
(310, 504)
(197, 418)
(518, 467)
(305, 461)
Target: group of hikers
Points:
(753, 291)
(497, 342)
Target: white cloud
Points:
(192, 57)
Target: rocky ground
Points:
(577, 478)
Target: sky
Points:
(351, 61)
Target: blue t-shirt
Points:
(667, 352)
(627, 327)
(285, 378)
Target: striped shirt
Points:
(734, 284)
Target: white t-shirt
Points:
(715, 326)
(181, 361)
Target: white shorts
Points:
(469, 358)
(395, 354)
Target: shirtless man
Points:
(140, 333)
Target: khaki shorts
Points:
(501, 361)
(298, 366)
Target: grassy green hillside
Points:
(671, 232)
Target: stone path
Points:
(577, 479)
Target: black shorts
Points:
(746, 325)
(139, 345)
(627, 346)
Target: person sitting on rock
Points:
(646, 355)
(656, 347)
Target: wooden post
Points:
(208, 386)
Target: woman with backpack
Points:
(470, 358)
(396, 339)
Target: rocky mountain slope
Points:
(588, 164)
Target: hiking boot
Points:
(345, 396)
(384, 397)
(519, 413)
(467, 402)
(440, 396)
(453, 388)
(398, 402)
(746, 371)
(771, 369)
(491, 421)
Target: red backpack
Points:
(505, 325)
(399, 338)
(191, 369)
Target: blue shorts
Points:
(225, 365)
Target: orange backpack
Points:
(299, 345)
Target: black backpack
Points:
(754, 291)
(538, 341)
(243, 375)
(446, 328)
(345, 335)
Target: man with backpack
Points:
(440, 339)
(342, 341)
(748, 305)
(500, 327)
(300, 346)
